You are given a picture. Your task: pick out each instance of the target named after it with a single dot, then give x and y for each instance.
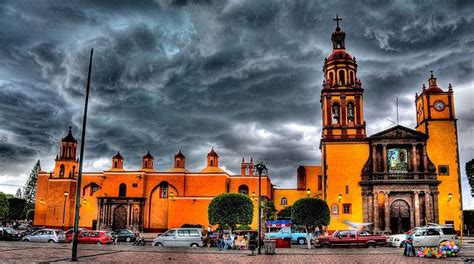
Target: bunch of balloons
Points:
(445, 249)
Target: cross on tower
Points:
(337, 20)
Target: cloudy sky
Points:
(242, 76)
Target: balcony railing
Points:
(380, 176)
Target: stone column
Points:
(370, 207)
(374, 158)
(413, 155)
(435, 207)
(364, 207)
(416, 209)
(428, 207)
(387, 212)
(425, 159)
(384, 158)
(376, 211)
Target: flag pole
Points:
(81, 159)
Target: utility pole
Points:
(81, 160)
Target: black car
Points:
(124, 235)
(8, 233)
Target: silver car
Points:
(46, 235)
(180, 237)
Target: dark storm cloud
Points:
(242, 76)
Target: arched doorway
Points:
(399, 217)
(120, 218)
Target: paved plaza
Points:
(37, 252)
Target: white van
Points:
(180, 237)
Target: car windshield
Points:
(9, 229)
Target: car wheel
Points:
(26, 240)
(194, 245)
(158, 244)
(128, 239)
(51, 241)
(98, 243)
(371, 245)
(301, 241)
(402, 245)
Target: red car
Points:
(70, 233)
(95, 237)
(351, 238)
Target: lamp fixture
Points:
(171, 195)
(308, 192)
(66, 193)
(340, 197)
(450, 196)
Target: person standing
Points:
(409, 250)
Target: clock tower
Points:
(435, 117)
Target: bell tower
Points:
(435, 116)
(66, 164)
(342, 93)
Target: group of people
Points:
(222, 240)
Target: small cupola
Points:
(247, 168)
(117, 161)
(68, 147)
(433, 86)
(179, 160)
(147, 161)
(212, 159)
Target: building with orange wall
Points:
(396, 179)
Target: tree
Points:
(18, 193)
(310, 213)
(16, 206)
(269, 210)
(285, 213)
(29, 191)
(4, 205)
(30, 214)
(230, 209)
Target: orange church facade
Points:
(395, 179)
(147, 199)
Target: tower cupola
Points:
(117, 161)
(179, 160)
(212, 159)
(147, 161)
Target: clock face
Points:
(439, 105)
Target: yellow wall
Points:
(344, 162)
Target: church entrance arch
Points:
(120, 218)
(399, 216)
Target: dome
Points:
(69, 137)
(339, 54)
(117, 156)
(148, 156)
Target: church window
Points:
(61, 171)
(73, 170)
(342, 77)
(247, 170)
(351, 75)
(350, 112)
(335, 113)
(443, 170)
(115, 164)
(122, 190)
(164, 190)
(146, 164)
(284, 201)
(346, 208)
(244, 189)
(64, 151)
(212, 163)
(347, 189)
(334, 209)
(331, 77)
(94, 188)
(134, 185)
(69, 152)
(320, 182)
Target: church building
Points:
(395, 179)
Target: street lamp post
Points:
(260, 167)
(66, 194)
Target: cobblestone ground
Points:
(37, 252)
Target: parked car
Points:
(8, 233)
(426, 236)
(351, 238)
(95, 237)
(180, 237)
(124, 235)
(46, 235)
(69, 233)
(297, 235)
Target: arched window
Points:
(331, 78)
(122, 190)
(61, 171)
(335, 113)
(212, 163)
(244, 189)
(342, 77)
(69, 152)
(146, 164)
(115, 164)
(64, 151)
(352, 77)
(164, 190)
(350, 112)
(284, 201)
